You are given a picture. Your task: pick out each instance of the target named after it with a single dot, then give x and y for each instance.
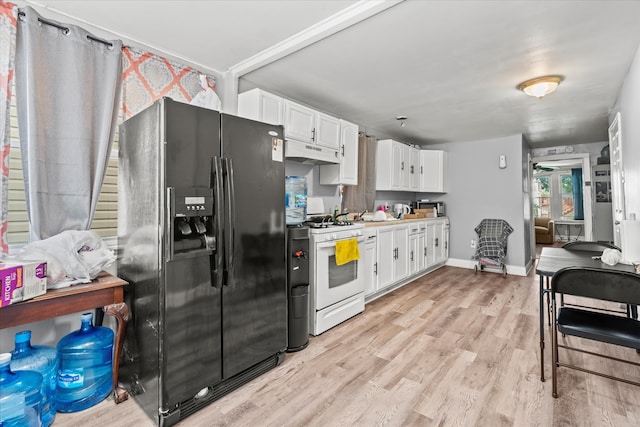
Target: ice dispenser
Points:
(191, 222)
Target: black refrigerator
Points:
(201, 236)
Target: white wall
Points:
(628, 104)
(479, 189)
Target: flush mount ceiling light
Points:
(401, 119)
(540, 86)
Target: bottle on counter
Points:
(44, 360)
(19, 396)
(85, 374)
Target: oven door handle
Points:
(332, 244)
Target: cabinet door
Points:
(422, 247)
(430, 244)
(384, 164)
(414, 169)
(398, 174)
(327, 131)
(349, 151)
(439, 242)
(299, 122)
(371, 263)
(386, 257)
(433, 170)
(262, 106)
(413, 254)
(347, 171)
(401, 245)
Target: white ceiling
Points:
(451, 67)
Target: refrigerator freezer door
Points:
(191, 338)
(254, 296)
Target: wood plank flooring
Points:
(453, 348)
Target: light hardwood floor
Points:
(453, 348)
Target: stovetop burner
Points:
(325, 221)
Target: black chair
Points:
(600, 284)
(582, 245)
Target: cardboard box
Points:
(22, 280)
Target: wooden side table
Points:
(106, 291)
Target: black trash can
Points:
(298, 288)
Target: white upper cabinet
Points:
(299, 122)
(433, 171)
(397, 166)
(347, 171)
(414, 169)
(327, 131)
(262, 106)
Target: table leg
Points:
(542, 328)
(121, 313)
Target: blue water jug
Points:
(295, 199)
(41, 359)
(19, 396)
(85, 373)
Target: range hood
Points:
(309, 154)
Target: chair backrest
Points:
(542, 221)
(493, 228)
(598, 283)
(580, 245)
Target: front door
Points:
(617, 178)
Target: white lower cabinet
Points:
(414, 249)
(370, 261)
(394, 254)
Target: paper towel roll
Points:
(630, 241)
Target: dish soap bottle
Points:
(19, 396)
(41, 359)
(85, 375)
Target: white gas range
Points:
(337, 291)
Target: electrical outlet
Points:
(473, 243)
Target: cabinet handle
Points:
(402, 166)
(436, 242)
(425, 251)
(313, 134)
(446, 244)
(375, 268)
(421, 171)
(411, 256)
(412, 169)
(342, 151)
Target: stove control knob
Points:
(335, 236)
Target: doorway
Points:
(558, 172)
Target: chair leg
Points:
(554, 355)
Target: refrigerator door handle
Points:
(230, 229)
(169, 212)
(218, 265)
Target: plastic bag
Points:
(207, 97)
(611, 256)
(72, 257)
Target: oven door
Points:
(334, 283)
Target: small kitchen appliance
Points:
(426, 204)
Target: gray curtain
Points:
(357, 198)
(68, 95)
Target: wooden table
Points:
(106, 291)
(554, 259)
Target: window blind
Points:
(105, 221)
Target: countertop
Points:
(397, 221)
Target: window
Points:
(541, 196)
(105, 220)
(566, 190)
